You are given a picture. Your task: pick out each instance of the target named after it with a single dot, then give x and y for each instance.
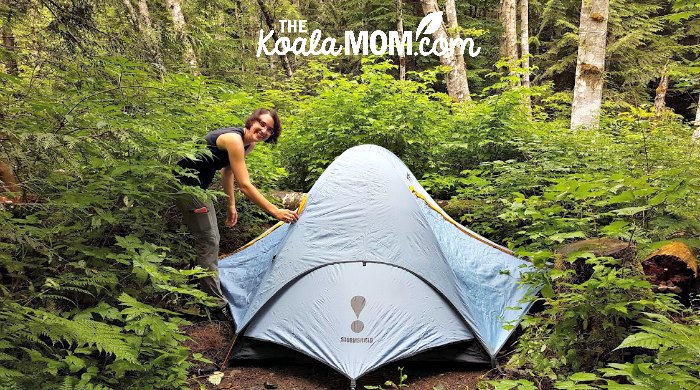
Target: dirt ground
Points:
(212, 340)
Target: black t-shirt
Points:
(205, 166)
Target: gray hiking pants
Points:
(200, 218)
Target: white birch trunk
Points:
(525, 48)
(509, 40)
(132, 13)
(457, 86)
(590, 64)
(399, 28)
(149, 33)
(181, 31)
(696, 134)
(525, 41)
(145, 14)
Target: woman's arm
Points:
(234, 146)
(227, 182)
(250, 148)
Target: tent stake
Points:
(223, 364)
(353, 384)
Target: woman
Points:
(228, 147)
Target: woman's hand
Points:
(285, 215)
(231, 216)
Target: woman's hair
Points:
(276, 127)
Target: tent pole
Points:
(353, 384)
(493, 362)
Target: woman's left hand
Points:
(231, 217)
(285, 215)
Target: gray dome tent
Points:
(373, 272)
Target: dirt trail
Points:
(212, 339)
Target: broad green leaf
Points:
(631, 210)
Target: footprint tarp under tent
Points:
(373, 272)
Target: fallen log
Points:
(601, 247)
(290, 200)
(672, 268)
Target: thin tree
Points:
(525, 45)
(150, 34)
(660, 98)
(142, 21)
(457, 85)
(267, 16)
(181, 32)
(509, 39)
(590, 64)
(8, 41)
(8, 182)
(133, 17)
(399, 28)
(696, 134)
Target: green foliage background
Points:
(96, 268)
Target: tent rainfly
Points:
(373, 272)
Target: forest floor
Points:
(212, 340)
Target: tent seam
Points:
(272, 229)
(457, 225)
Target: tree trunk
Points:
(8, 42)
(457, 86)
(150, 34)
(271, 25)
(660, 99)
(590, 64)
(399, 28)
(696, 134)
(8, 182)
(509, 39)
(181, 31)
(525, 47)
(133, 17)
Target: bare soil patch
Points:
(212, 339)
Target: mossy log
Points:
(290, 200)
(673, 268)
(601, 247)
(455, 208)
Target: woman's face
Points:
(261, 129)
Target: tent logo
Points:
(357, 303)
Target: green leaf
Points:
(657, 199)
(547, 291)
(643, 340)
(583, 377)
(631, 210)
(560, 237)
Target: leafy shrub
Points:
(96, 268)
(582, 324)
(404, 117)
